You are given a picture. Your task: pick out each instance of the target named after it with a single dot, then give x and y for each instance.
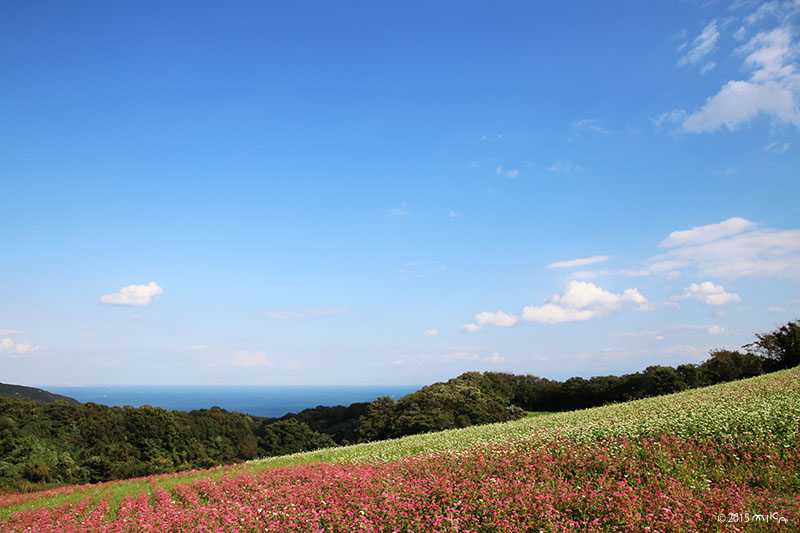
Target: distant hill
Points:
(20, 392)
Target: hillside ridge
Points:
(23, 392)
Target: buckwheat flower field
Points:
(723, 458)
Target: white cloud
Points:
(198, 347)
(587, 125)
(717, 330)
(513, 174)
(771, 85)
(741, 101)
(135, 295)
(708, 233)
(676, 330)
(587, 274)
(564, 167)
(306, 313)
(685, 350)
(581, 301)
(495, 319)
(777, 147)
(8, 346)
(495, 358)
(454, 214)
(636, 334)
(703, 45)
(459, 356)
(773, 88)
(471, 328)
(585, 295)
(670, 117)
(765, 10)
(709, 294)
(9, 332)
(555, 314)
(411, 358)
(245, 359)
(421, 267)
(579, 262)
(431, 333)
(707, 67)
(735, 248)
(397, 211)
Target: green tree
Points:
(664, 380)
(728, 365)
(690, 374)
(290, 436)
(781, 348)
(378, 422)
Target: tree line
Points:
(49, 444)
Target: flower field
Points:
(724, 458)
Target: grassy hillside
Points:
(704, 460)
(20, 392)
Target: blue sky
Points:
(392, 192)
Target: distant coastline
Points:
(270, 401)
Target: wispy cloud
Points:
(134, 295)
(566, 168)
(420, 267)
(675, 116)
(707, 233)
(777, 147)
(495, 358)
(587, 126)
(513, 173)
(703, 45)
(305, 313)
(676, 330)
(9, 332)
(430, 333)
(735, 248)
(579, 262)
(771, 90)
(408, 358)
(246, 359)
(397, 211)
(459, 356)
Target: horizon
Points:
(350, 194)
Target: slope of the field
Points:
(726, 456)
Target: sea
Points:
(270, 401)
